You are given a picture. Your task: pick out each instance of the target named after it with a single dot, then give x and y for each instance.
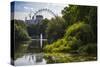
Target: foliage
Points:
(70, 14)
(87, 14)
(55, 29)
(20, 29)
(81, 31)
(73, 33)
(63, 58)
(43, 25)
(33, 29)
(90, 48)
(57, 58)
(20, 33)
(37, 29)
(76, 36)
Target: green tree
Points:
(43, 26)
(33, 29)
(77, 36)
(37, 29)
(20, 29)
(87, 14)
(20, 33)
(55, 29)
(81, 31)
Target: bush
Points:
(81, 31)
(74, 43)
(20, 29)
(88, 49)
(57, 58)
(55, 29)
(76, 36)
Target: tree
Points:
(87, 14)
(76, 35)
(20, 33)
(43, 26)
(20, 29)
(81, 31)
(55, 29)
(37, 29)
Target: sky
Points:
(23, 9)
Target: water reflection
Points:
(30, 59)
(32, 55)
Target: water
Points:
(30, 59)
(30, 53)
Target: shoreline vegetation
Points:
(67, 57)
(71, 38)
(79, 39)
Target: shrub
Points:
(81, 31)
(88, 49)
(55, 29)
(76, 36)
(20, 29)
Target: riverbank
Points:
(67, 57)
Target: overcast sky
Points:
(23, 9)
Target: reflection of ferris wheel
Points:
(43, 10)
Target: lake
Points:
(30, 59)
(30, 53)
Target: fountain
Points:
(41, 40)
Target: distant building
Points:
(35, 20)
